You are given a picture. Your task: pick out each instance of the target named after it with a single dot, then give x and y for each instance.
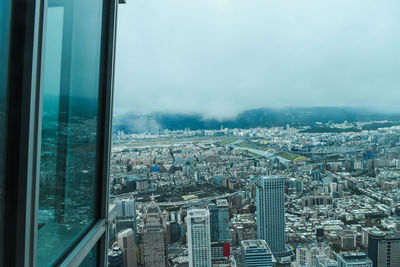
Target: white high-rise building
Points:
(126, 241)
(199, 238)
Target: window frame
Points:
(24, 110)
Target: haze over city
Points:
(219, 57)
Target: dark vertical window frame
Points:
(5, 14)
(22, 132)
(106, 109)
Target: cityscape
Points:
(214, 133)
(318, 195)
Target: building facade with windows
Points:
(126, 241)
(384, 248)
(199, 237)
(219, 221)
(271, 213)
(353, 259)
(256, 253)
(389, 251)
(126, 215)
(306, 255)
(325, 261)
(154, 237)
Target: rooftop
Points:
(254, 244)
(353, 256)
(198, 213)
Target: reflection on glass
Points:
(69, 125)
(91, 259)
(4, 39)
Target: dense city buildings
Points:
(215, 148)
(324, 198)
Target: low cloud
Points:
(218, 58)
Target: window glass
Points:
(91, 258)
(4, 39)
(68, 182)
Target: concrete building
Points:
(353, 259)
(256, 253)
(126, 242)
(126, 207)
(348, 240)
(220, 251)
(325, 261)
(364, 236)
(154, 238)
(306, 255)
(311, 201)
(199, 238)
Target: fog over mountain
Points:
(266, 117)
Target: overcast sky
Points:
(219, 57)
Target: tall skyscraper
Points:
(199, 238)
(353, 259)
(154, 238)
(256, 253)
(271, 214)
(126, 242)
(219, 221)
